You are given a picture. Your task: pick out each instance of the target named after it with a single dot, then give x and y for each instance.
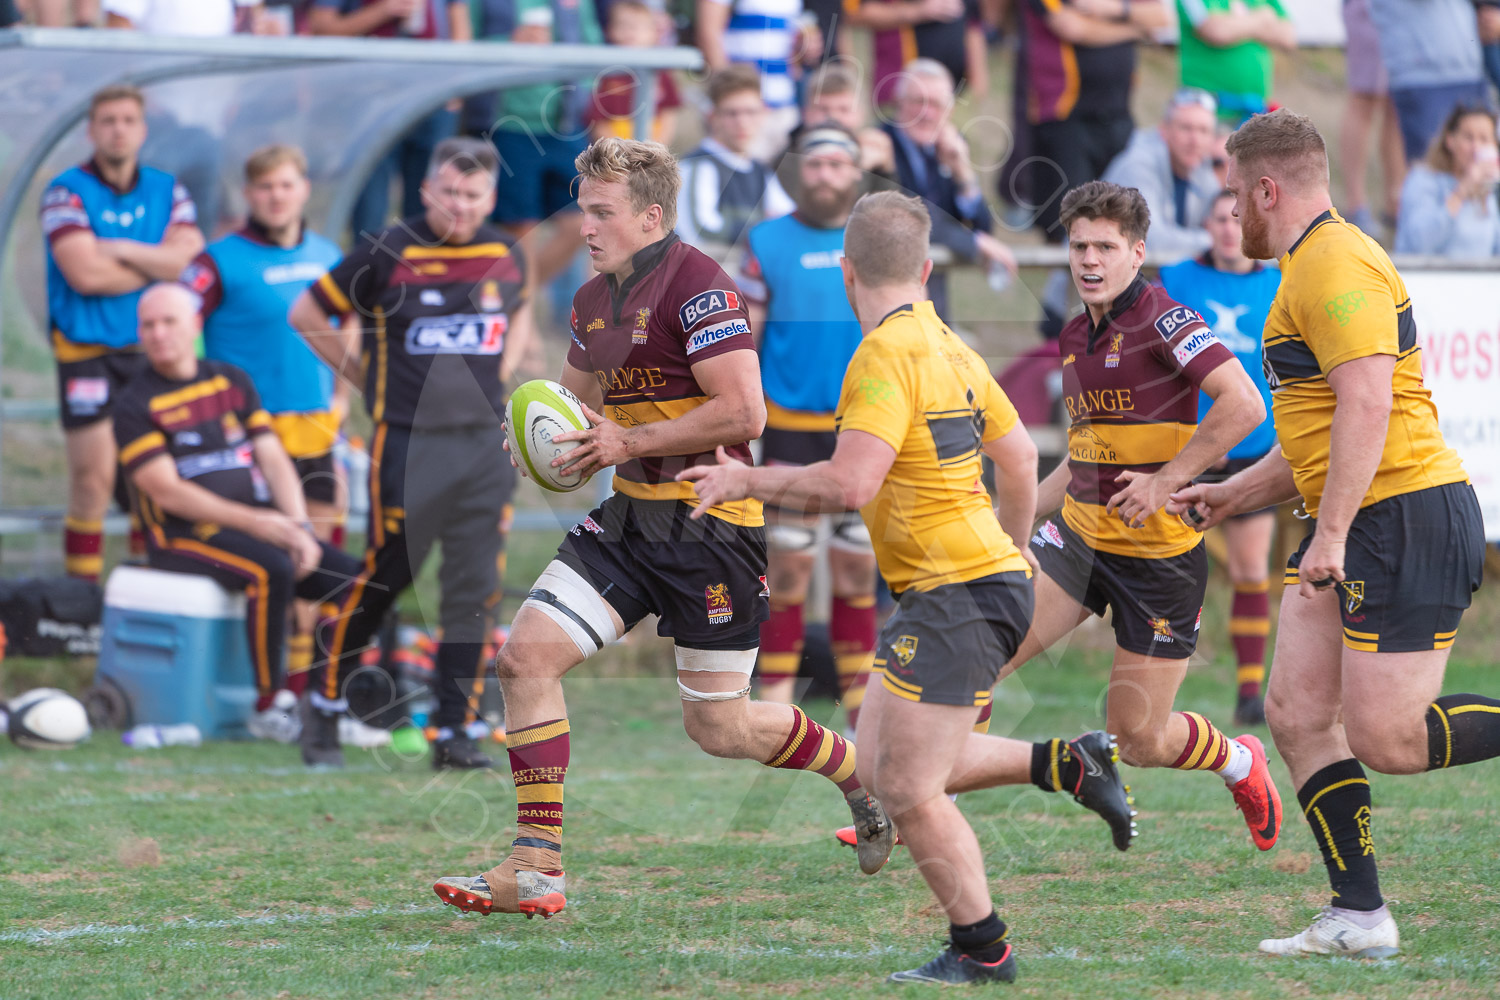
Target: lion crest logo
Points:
(905, 649)
(720, 609)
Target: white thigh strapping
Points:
(718, 661)
(792, 537)
(850, 534)
(577, 608)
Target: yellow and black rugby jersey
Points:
(916, 386)
(434, 316)
(1342, 299)
(205, 423)
(1130, 383)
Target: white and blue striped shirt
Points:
(763, 33)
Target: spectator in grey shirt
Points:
(1432, 54)
(1172, 166)
(1448, 204)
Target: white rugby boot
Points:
(1333, 934)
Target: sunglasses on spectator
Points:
(1192, 95)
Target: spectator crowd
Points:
(792, 124)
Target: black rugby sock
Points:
(1336, 804)
(984, 941)
(1462, 729)
(1053, 767)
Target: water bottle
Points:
(999, 277)
(149, 737)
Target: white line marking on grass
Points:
(146, 769)
(120, 931)
(160, 798)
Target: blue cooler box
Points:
(174, 644)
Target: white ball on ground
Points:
(47, 719)
(535, 414)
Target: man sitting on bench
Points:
(218, 496)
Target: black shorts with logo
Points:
(946, 646)
(86, 389)
(1411, 565)
(319, 481)
(1157, 603)
(705, 578)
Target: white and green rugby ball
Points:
(536, 413)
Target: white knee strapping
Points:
(718, 661)
(568, 599)
(688, 694)
(791, 537)
(850, 534)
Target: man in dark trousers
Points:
(440, 298)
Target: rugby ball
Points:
(536, 413)
(47, 719)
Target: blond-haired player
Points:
(662, 345)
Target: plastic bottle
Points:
(149, 737)
(999, 277)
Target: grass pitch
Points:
(229, 871)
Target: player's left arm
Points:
(1356, 442)
(1005, 440)
(1015, 458)
(521, 328)
(735, 411)
(1346, 310)
(847, 481)
(518, 339)
(1237, 410)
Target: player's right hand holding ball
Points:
(1202, 505)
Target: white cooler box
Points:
(174, 650)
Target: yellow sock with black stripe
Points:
(1053, 768)
(1336, 804)
(1462, 729)
(810, 747)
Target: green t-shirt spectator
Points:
(539, 107)
(1241, 70)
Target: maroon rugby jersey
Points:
(640, 339)
(1131, 389)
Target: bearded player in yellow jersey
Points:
(917, 410)
(1397, 543)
